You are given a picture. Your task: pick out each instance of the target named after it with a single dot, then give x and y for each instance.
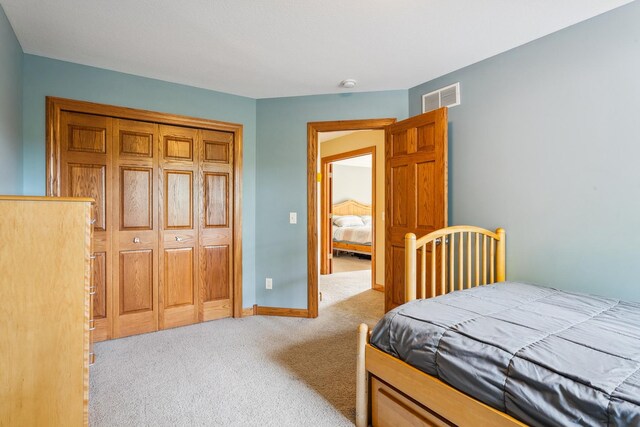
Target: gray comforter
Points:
(544, 356)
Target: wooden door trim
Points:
(54, 107)
(312, 194)
(324, 208)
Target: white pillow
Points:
(348, 221)
(366, 219)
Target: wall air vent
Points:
(446, 97)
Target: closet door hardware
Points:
(136, 240)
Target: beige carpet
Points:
(255, 371)
(344, 263)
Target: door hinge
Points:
(330, 256)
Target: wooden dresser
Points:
(45, 311)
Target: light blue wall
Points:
(47, 77)
(546, 144)
(10, 109)
(281, 248)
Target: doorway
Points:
(348, 204)
(314, 185)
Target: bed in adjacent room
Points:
(502, 354)
(352, 227)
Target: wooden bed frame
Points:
(351, 207)
(389, 392)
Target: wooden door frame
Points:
(325, 235)
(312, 194)
(55, 106)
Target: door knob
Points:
(178, 239)
(136, 240)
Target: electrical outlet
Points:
(293, 217)
(269, 283)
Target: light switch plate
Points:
(293, 217)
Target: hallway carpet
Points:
(255, 371)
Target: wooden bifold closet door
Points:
(166, 231)
(135, 250)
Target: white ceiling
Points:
(360, 161)
(278, 48)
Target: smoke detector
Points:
(348, 83)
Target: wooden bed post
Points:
(410, 267)
(501, 274)
(362, 383)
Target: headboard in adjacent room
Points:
(351, 207)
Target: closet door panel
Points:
(217, 266)
(99, 271)
(216, 230)
(87, 180)
(136, 281)
(85, 158)
(136, 198)
(178, 265)
(136, 257)
(216, 200)
(178, 199)
(179, 277)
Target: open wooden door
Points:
(326, 190)
(330, 219)
(416, 190)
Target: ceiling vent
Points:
(446, 97)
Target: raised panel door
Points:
(85, 158)
(216, 224)
(179, 274)
(416, 194)
(135, 196)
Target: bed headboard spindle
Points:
(453, 258)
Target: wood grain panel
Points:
(216, 188)
(99, 281)
(178, 199)
(399, 143)
(399, 196)
(398, 271)
(87, 139)
(426, 138)
(178, 277)
(178, 148)
(215, 151)
(136, 281)
(136, 198)
(426, 181)
(216, 273)
(136, 144)
(90, 181)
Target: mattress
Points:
(360, 235)
(543, 356)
